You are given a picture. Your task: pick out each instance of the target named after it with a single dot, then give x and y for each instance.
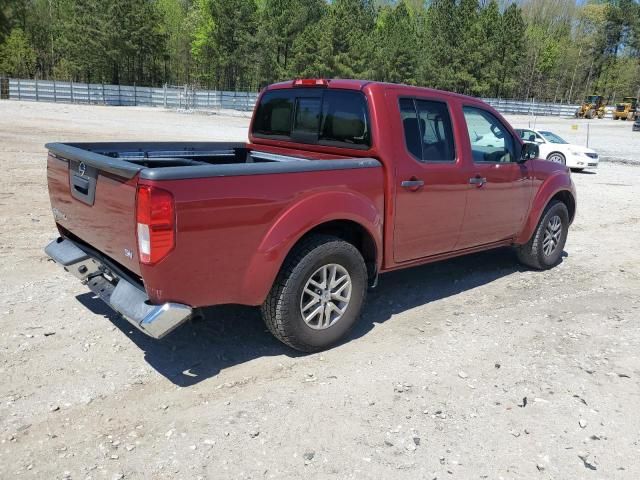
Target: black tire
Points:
(281, 310)
(577, 170)
(562, 160)
(532, 253)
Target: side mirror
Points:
(529, 151)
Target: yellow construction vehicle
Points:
(626, 110)
(593, 106)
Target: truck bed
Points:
(228, 196)
(181, 160)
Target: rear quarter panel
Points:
(233, 233)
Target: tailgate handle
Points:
(81, 185)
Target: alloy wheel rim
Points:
(556, 158)
(552, 234)
(326, 296)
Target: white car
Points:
(556, 149)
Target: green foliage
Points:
(396, 55)
(233, 40)
(548, 49)
(17, 58)
(281, 23)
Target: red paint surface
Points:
(233, 233)
(108, 224)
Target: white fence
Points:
(188, 98)
(103, 94)
(532, 108)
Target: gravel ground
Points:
(470, 368)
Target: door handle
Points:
(412, 184)
(478, 181)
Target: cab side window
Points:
(528, 135)
(490, 139)
(427, 130)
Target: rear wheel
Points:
(318, 294)
(544, 249)
(557, 157)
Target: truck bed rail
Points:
(177, 161)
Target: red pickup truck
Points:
(341, 180)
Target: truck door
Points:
(500, 189)
(431, 186)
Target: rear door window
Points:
(316, 116)
(427, 130)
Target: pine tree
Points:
(396, 45)
(281, 23)
(510, 43)
(438, 43)
(177, 29)
(312, 52)
(232, 37)
(351, 23)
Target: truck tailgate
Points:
(95, 206)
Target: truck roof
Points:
(352, 84)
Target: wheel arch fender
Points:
(556, 187)
(302, 218)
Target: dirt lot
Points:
(471, 368)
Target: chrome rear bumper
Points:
(124, 297)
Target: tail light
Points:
(155, 218)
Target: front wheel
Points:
(544, 249)
(318, 294)
(557, 157)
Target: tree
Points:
(203, 49)
(177, 29)
(396, 45)
(281, 23)
(438, 42)
(509, 51)
(224, 43)
(556, 50)
(312, 51)
(17, 57)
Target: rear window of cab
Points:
(337, 118)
